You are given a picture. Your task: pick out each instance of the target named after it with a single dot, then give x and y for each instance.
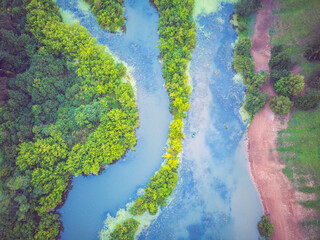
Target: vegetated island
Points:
(291, 56)
(68, 110)
(109, 14)
(177, 40)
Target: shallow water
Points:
(214, 198)
(93, 197)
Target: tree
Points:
(254, 101)
(257, 80)
(290, 86)
(276, 75)
(279, 58)
(125, 230)
(280, 105)
(243, 46)
(265, 227)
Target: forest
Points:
(69, 110)
(67, 107)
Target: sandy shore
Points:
(276, 192)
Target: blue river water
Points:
(93, 197)
(214, 198)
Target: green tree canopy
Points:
(290, 86)
(254, 101)
(265, 227)
(280, 105)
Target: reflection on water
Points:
(215, 198)
(94, 196)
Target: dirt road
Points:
(277, 194)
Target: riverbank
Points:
(277, 194)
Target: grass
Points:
(300, 20)
(299, 145)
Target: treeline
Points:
(109, 13)
(69, 111)
(177, 40)
(243, 64)
(243, 61)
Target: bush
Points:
(314, 81)
(312, 51)
(246, 7)
(289, 86)
(257, 80)
(243, 46)
(279, 58)
(254, 101)
(276, 75)
(125, 230)
(280, 105)
(265, 227)
(308, 101)
(243, 65)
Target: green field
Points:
(300, 26)
(299, 145)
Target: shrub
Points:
(257, 80)
(289, 86)
(308, 101)
(243, 46)
(279, 58)
(276, 75)
(314, 81)
(125, 230)
(265, 227)
(254, 101)
(246, 7)
(243, 65)
(280, 105)
(242, 26)
(312, 51)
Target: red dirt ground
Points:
(276, 192)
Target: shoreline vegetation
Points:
(293, 42)
(177, 40)
(69, 111)
(243, 62)
(109, 14)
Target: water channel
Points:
(214, 198)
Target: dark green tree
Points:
(280, 105)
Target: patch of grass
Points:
(311, 204)
(306, 189)
(300, 25)
(288, 172)
(299, 145)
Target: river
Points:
(215, 197)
